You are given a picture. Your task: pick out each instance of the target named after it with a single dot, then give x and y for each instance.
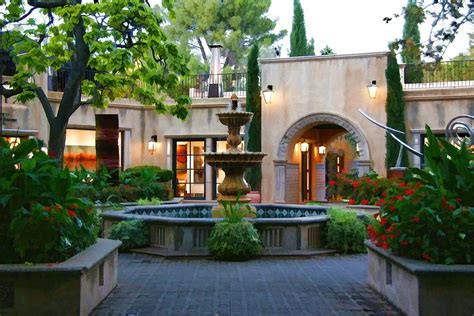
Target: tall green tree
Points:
(395, 108)
(411, 52)
(299, 46)
(254, 104)
(119, 43)
(235, 24)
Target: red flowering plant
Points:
(431, 217)
(365, 190)
(40, 220)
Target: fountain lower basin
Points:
(183, 229)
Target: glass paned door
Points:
(189, 168)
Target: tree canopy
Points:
(448, 18)
(119, 43)
(395, 108)
(254, 104)
(411, 54)
(235, 24)
(299, 46)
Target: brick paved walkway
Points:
(333, 285)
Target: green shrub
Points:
(149, 179)
(345, 232)
(40, 219)
(90, 184)
(234, 239)
(132, 234)
(152, 201)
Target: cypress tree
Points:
(411, 54)
(299, 45)
(395, 108)
(254, 104)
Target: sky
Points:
(353, 26)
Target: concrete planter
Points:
(420, 288)
(72, 287)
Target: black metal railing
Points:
(214, 86)
(57, 79)
(457, 73)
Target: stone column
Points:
(208, 171)
(280, 180)
(363, 166)
(320, 181)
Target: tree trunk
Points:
(57, 140)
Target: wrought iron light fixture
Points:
(372, 88)
(268, 94)
(153, 144)
(322, 150)
(304, 146)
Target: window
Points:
(80, 149)
(189, 168)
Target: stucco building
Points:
(311, 129)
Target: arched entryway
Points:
(301, 171)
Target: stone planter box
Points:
(420, 288)
(72, 287)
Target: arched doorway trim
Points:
(319, 118)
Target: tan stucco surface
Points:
(311, 85)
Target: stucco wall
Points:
(435, 107)
(311, 85)
(140, 122)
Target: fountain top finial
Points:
(235, 101)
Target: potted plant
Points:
(421, 253)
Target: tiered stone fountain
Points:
(234, 161)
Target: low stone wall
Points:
(186, 228)
(72, 287)
(419, 288)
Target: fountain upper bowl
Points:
(246, 159)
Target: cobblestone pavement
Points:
(332, 285)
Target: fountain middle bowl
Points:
(243, 159)
(234, 118)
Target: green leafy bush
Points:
(90, 184)
(152, 201)
(40, 219)
(150, 180)
(234, 239)
(132, 234)
(432, 216)
(345, 232)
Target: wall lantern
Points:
(372, 89)
(304, 147)
(268, 94)
(322, 150)
(153, 144)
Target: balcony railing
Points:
(197, 86)
(447, 74)
(214, 86)
(57, 78)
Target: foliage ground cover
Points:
(132, 234)
(345, 232)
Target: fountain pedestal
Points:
(234, 162)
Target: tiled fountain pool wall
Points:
(186, 227)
